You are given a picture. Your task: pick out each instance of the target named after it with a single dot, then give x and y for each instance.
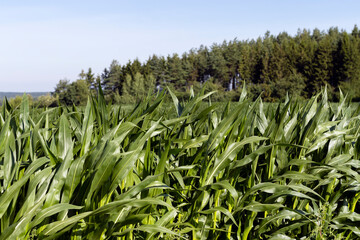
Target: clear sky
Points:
(42, 41)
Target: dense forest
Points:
(270, 65)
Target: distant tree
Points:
(16, 101)
(232, 57)
(306, 52)
(136, 88)
(90, 79)
(79, 92)
(46, 101)
(150, 83)
(175, 73)
(72, 93)
(61, 91)
(157, 68)
(111, 80)
(127, 90)
(322, 65)
(218, 67)
(348, 62)
(294, 85)
(271, 65)
(247, 62)
(203, 64)
(278, 63)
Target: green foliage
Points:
(72, 93)
(41, 101)
(16, 101)
(46, 101)
(273, 66)
(136, 88)
(293, 85)
(194, 170)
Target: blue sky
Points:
(42, 42)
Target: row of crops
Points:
(197, 170)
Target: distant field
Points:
(14, 94)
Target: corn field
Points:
(199, 170)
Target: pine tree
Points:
(322, 65)
(175, 74)
(348, 62)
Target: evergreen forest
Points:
(271, 65)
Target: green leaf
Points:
(18, 229)
(298, 176)
(87, 128)
(52, 210)
(262, 207)
(163, 221)
(224, 185)
(222, 210)
(104, 169)
(157, 229)
(24, 113)
(57, 226)
(7, 196)
(53, 196)
(177, 105)
(229, 154)
(122, 168)
(281, 216)
(220, 131)
(73, 178)
(65, 141)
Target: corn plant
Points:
(190, 170)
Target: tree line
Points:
(269, 65)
